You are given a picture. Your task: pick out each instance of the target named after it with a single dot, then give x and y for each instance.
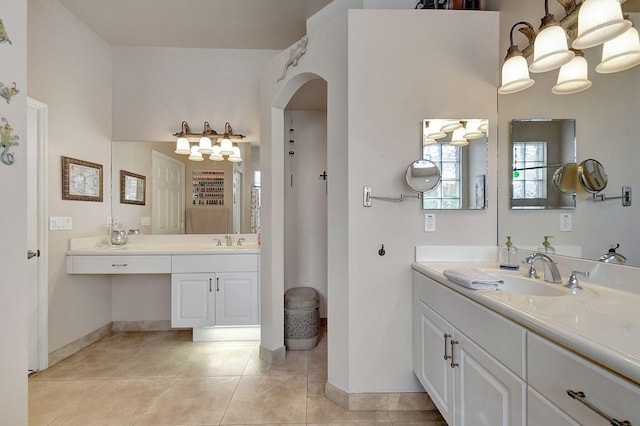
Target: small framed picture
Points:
(132, 188)
(81, 180)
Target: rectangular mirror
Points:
(459, 147)
(539, 149)
(132, 188)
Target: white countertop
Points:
(138, 245)
(598, 322)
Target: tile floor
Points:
(163, 378)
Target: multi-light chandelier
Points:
(599, 22)
(461, 131)
(216, 152)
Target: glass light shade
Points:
(572, 77)
(472, 130)
(195, 155)
(434, 130)
(621, 53)
(182, 146)
(215, 154)
(205, 145)
(550, 49)
(235, 156)
(515, 75)
(226, 147)
(450, 125)
(426, 142)
(599, 21)
(484, 125)
(457, 138)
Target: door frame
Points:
(42, 233)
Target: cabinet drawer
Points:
(502, 338)
(552, 371)
(214, 263)
(118, 264)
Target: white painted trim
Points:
(43, 236)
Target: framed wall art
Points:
(132, 188)
(81, 180)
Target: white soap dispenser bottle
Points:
(509, 258)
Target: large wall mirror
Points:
(459, 148)
(184, 196)
(543, 156)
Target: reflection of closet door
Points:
(168, 195)
(237, 200)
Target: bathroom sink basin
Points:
(529, 286)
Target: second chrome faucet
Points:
(551, 272)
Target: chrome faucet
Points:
(240, 240)
(549, 266)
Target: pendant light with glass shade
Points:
(599, 21)
(620, 53)
(215, 154)
(472, 129)
(515, 71)
(573, 76)
(434, 130)
(195, 155)
(457, 138)
(226, 147)
(550, 49)
(182, 144)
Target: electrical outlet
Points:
(58, 223)
(108, 221)
(429, 222)
(145, 221)
(565, 222)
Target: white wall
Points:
(69, 69)
(13, 245)
(392, 86)
(605, 130)
(305, 213)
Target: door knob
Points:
(31, 254)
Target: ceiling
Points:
(221, 24)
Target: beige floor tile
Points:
(318, 360)
(415, 416)
(159, 363)
(268, 399)
(191, 401)
(86, 364)
(410, 401)
(315, 385)
(217, 361)
(321, 410)
(256, 366)
(351, 424)
(114, 403)
(295, 364)
(49, 399)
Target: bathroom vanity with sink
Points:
(525, 355)
(214, 288)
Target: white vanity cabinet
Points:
(460, 359)
(214, 290)
(554, 370)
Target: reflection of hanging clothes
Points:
(256, 202)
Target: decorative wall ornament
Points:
(7, 140)
(4, 38)
(296, 52)
(8, 92)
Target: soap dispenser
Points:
(546, 246)
(509, 258)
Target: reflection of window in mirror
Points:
(448, 194)
(529, 175)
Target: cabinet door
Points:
(237, 298)
(431, 362)
(486, 392)
(192, 300)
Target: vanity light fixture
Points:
(450, 125)
(550, 49)
(621, 53)
(472, 129)
(205, 144)
(573, 76)
(515, 73)
(599, 21)
(434, 130)
(457, 138)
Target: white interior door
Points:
(167, 215)
(37, 235)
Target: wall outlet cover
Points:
(429, 222)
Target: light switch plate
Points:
(145, 221)
(60, 223)
(429, 222)
(565, 222)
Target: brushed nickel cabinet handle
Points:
(115, 265)
(446, 336)
(581, 398)
(453, 364)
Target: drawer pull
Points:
(209, 285)
(446, 336)
(453, 364)
(115, 265)
(217, 284)
(580, 397)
